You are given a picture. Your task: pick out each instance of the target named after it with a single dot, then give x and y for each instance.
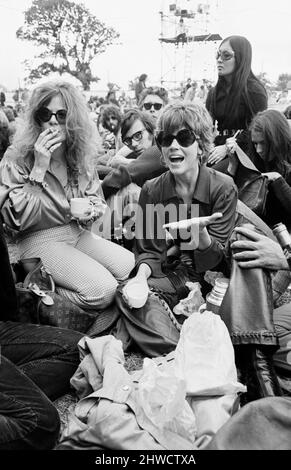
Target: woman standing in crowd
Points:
(50, 163)
(140, 85)
(270, 151)
(236, 98)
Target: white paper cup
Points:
(80, 206)
(136, 294)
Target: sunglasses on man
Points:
(137, 136)
(224, 55)
(185, 138)
(45, 115)
(148, 106)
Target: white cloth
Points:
(112, 412)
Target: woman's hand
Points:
(217, 154)
(201, 222)
(272, 175)
(200, 238)
(97, 210)
(141, 278)
(47, 142)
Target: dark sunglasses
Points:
(185, 138)
(45, 115)
(137, 136)
(224, 55)
(148, 106)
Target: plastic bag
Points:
(192, 302)
(205, 357)
(163, 400)
(211, 276)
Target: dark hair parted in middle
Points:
(240, 80)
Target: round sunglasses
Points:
(225, 55)
(185, 138)
(45, 115)
(148, 106)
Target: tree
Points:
(70, 37)
(262, 76)
(283, 80)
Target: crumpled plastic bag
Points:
(163, 399)
(205, 357)
(192, 302)
(211, 276)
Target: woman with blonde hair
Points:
(51, 162)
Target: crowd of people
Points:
(141, 167)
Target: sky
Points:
(266, 24)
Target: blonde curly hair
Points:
(79, 128)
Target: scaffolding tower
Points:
(188, 41)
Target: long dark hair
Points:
(240, 78)
(276, 133)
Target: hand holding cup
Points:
(135, 292)
(81, 208)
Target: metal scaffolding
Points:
(187, 41)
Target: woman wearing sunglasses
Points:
(51, 162)
(236, 98)
(188, 189)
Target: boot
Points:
(257, 373)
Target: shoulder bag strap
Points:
(245, 160)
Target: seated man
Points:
(115, 151)
(259, 251)
(153, 100)
(122, 186)
(36, 365)
(263, 424)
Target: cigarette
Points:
(237, 132)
